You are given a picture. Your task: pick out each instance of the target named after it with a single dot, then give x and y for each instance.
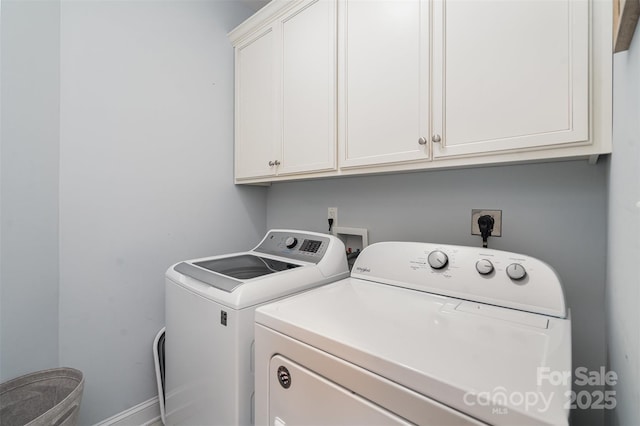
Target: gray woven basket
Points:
(44, 398)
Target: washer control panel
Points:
(472, 273)
(309, 247)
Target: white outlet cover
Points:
(332, 213)
(497, 218)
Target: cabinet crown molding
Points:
(262, 18)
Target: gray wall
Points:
(117, 136)
(555, 212)
(623, 273)
(29, 186)
(146, 178)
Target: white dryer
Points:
(421, 334)
(210, 304)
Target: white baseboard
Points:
(143, 414)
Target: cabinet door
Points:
(510, 74)
(255, 114)
(309, 88)
(384, 81)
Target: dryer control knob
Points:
(484, 267)
(516, 271)
(291, 242)
(438, 259)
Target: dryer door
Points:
(299, 396)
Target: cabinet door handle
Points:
(277, 163)
(271, 163)
(422, 141)
(436, 138)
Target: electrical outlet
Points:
(332, 213)
(497, 221)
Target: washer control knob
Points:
(484, 267)
(438, 259)
(291, 242)
(516, 271)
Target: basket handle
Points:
(70, 412)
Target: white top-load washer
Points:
(422, 334)
(210, 304)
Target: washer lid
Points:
(284, 262)
(476, 358)
(230, 271)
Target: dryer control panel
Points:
(483, 275)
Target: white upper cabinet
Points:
(510, 75)
(286, 93)
(384, 95)
(309, 88)
(345, 87)
(255, 113)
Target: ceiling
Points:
(255, 4)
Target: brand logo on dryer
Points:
(284, 377)
(363, 269)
